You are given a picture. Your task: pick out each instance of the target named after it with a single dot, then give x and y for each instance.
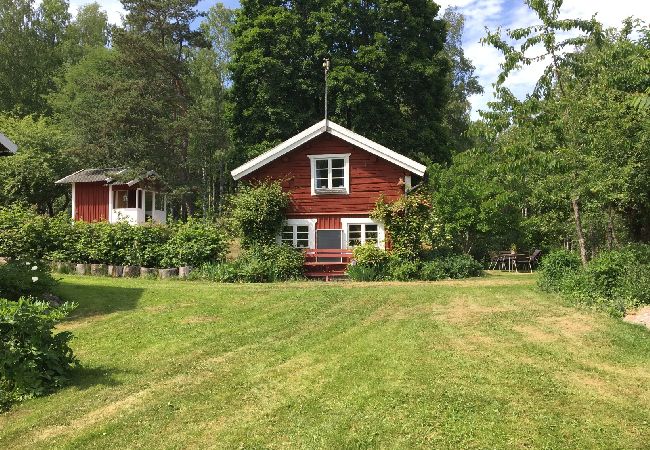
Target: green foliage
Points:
(193, 243)
(28, 278)
(461, 266)
(257, 264)
(403, 269)
(387, 65)
(258, 212)
(360, 272)
(369, 255)
(412, 225)
(33, 360)
(614, 281)
(433, 271)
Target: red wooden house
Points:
(335, 177)
(105, 195)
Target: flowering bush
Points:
(28, 278)
(33, 360)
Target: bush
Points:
(369, 255)
(403, 270)
(358, 272)
(555, 266)
(194, 243)
(259, 264)
(461, 266)
(433, 271)
(258, 212)
(33, 360)
(25, 278)
(614, 281)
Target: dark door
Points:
(329, 239)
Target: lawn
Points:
(482, 363)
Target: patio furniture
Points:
(530, 261)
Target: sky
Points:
(480, 14)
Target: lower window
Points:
(296, 235)
(362, 233)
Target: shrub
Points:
(25, 278)
(194, 243)
(461, 266)
(258, 212)
(23, 232)
(403, 270)
(555, 266)
(358, 272)
(33, 360)
(369, 255)
(433, 271)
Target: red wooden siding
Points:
(370, 176)
(91, 202)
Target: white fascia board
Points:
(8, 144)
(279, 150)
(338, 131)
(377, 149)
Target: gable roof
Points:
(335, 130)
(107, 175)
(6, 146)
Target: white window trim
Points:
(346, 173)
(310, 223)
(347, 221)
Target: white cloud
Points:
(113, 8)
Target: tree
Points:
(388, 77)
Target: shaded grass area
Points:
(487, 362)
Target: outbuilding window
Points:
(330, 174)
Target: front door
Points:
(329, 239)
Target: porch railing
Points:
(324, 257)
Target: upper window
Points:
(330, 174)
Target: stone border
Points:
(114, 271)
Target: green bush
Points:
(613, 281)
(461, 266)
(433, 271)
(33, 360)
(194, 243)
(403, 270)
(555, 266)
(259, 264)
(359, 272)
(29, 278)
(258, 212)
(369, 255)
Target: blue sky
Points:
(480, 14)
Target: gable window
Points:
(359, 231)
(330, 174)
(298, 233)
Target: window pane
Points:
(321, 173)
(302, 229)
(321, 164)
(372, 228)
(302, 243)
(352, 228)
(338, 163)
(287, 229)
(321, 183)
(338, 183)
(337, 173)
(121, 199)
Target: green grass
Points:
(483, 363)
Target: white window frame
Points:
(310, 223)
(347, 221)
(346, 174)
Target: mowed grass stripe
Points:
(479, 363)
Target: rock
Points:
(131, 271)
(115, 271)
(168, 273)
(184, 272)
(148, 272)
(82, 269)
(62, 267)
(52, 299)
(98, 270)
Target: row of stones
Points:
(103, 270)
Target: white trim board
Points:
(335, 130)
(8, 144)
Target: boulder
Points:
(168, 273)
(184, 272)
(82, 269)
(99, 270)
(131, 271)
(148, 272)
(115, 271)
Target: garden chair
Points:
(529, 261)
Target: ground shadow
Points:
(86, 377)
(98, 299)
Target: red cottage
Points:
(106, 195)
(335, 177)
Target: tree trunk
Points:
(611, 238)
(581, 237)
